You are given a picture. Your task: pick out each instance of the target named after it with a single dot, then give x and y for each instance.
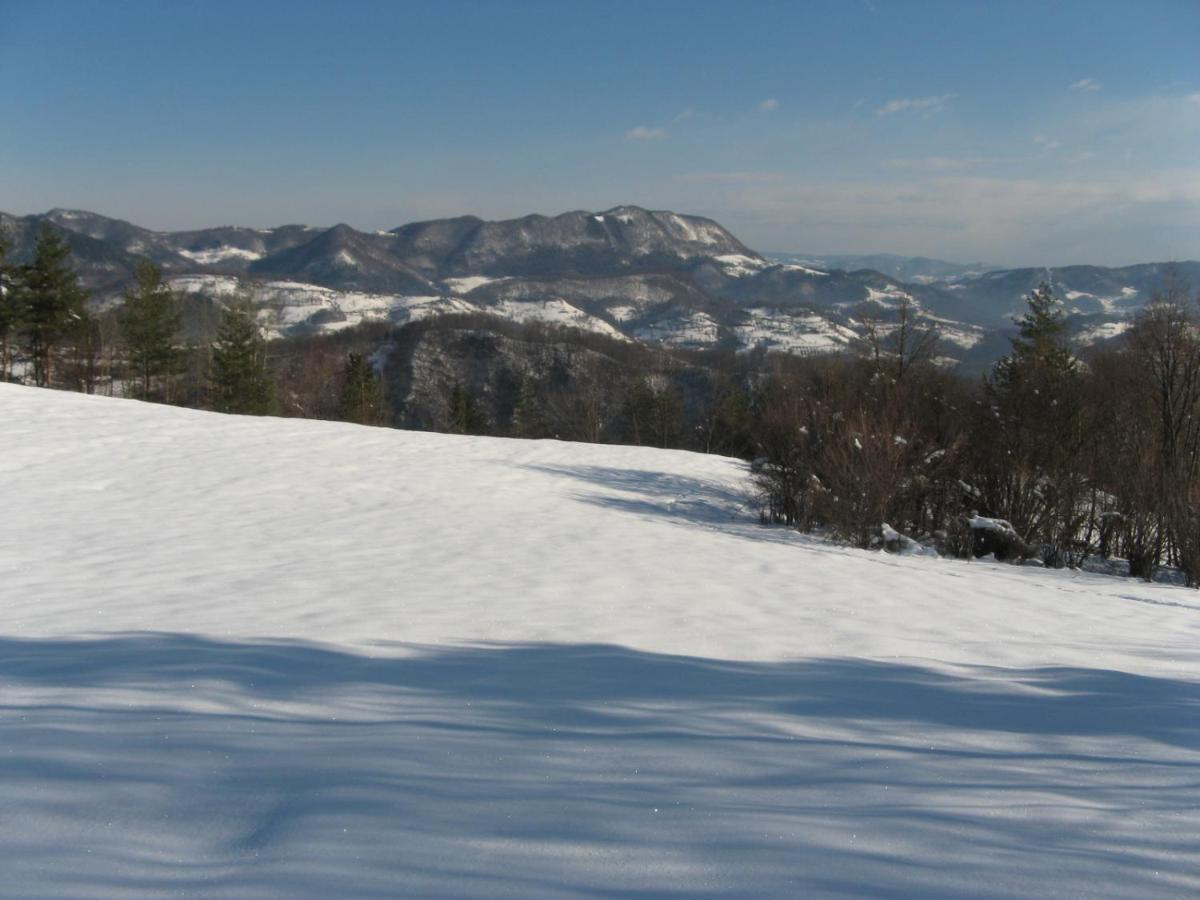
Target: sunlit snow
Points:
(468, 283)
(251, 657)
(219, 254)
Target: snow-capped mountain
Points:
(631, 273)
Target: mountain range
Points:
(630, 273)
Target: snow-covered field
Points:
(792, 332)
(286, 306)
(249, 657)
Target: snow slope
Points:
(266, 658)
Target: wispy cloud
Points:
(645, 133)
(768, 105)
(1046, 142)
(1087, 85)
(927, 105)
(1194, 98)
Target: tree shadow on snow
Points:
(294, 769)
(562, 681)
(680, 499)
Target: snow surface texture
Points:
(249, 657)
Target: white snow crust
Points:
(696, 231)
(738, 265)
(219, 254)
(264, 658)
(790, 332)
(807, 270)
(553, 312)
(287, 305)
(689, 329)
(891, 296)
(469, 283)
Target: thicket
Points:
(1050, 456)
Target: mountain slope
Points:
(347, 259)
(652, 276)
(915, 269)
(626, 238)
(1086, 290)
(253, 657)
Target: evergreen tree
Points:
(465, 417)
(729, 425)
(652, 413)
(637, 413)
(50, 301)
(362, 399)
(8, 309)
(1032, 434)
(239, 380)
(529, 415)
(1039, 352)
(150, 321)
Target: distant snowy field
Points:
(265, 658)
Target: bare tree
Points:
(1164, 353)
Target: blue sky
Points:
(1008, 132)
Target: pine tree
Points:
(730, 426)
(239, 381)
(1031, 436)
(8, 309)
(1039, 352)
(464, 413)
(652, 413)
(529, 416)
(637, 413)
(362, 399)
(150, 320)
(50, 301)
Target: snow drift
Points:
(249, 657)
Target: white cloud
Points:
(685, 115)
(1194, 98)
(768, 105)
(1047, 143)
(1089, 85)
(645, 133)
(1081, 157)
(927, 105)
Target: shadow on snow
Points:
(286, 768)
(564, 682)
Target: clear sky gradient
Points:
(1007, 132)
